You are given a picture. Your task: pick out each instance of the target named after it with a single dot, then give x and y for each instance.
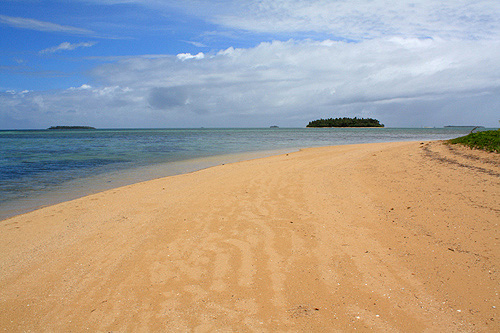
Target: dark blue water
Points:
(35, 163)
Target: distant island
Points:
(71, 128)
(463, 126)
(345, 122)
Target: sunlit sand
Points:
(386, 237)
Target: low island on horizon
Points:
(71, 128)
(345, 122)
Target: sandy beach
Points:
(388, 237)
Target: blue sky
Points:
(220, 63)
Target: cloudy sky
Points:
(248, 63)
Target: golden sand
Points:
(383, 237)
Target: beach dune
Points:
(386, 237)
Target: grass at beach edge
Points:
(485, 140)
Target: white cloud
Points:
(411, 63)
(67, 47)
(186, 56)
(31, 24)
(360, 19)
(369, 18)
(82, 87)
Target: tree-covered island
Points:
(71, 128)
(345, 122)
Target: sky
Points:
(248, 63)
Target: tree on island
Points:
(345, 122)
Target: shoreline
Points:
(395, 236)
(81, 187)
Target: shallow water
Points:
(44, 167)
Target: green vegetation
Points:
(71, 127)
(345, 122)
(486, 140)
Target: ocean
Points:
(43, 167)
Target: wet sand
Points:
(384, 237)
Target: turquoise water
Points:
(43, 167)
